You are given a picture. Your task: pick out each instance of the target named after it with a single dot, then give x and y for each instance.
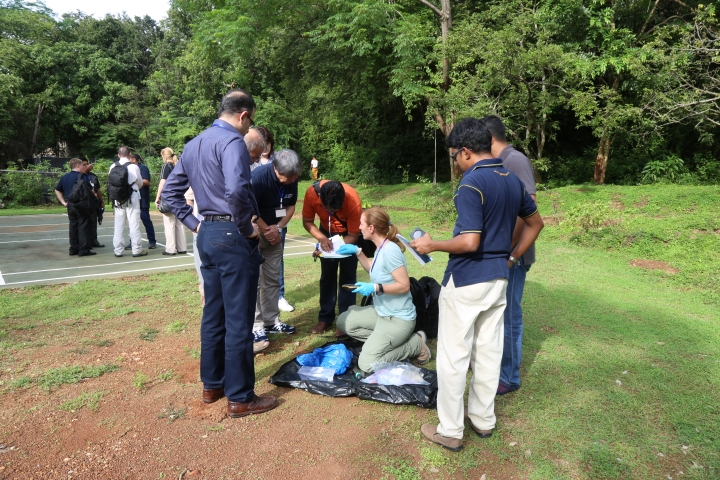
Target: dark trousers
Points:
(80, 241)
(230, 270)
(329, 291)
(92, 225)
(149, 228)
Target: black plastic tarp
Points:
(345, 385)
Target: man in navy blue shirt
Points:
(489, 198)
(80, 232)
(276, 188)
(216, 164)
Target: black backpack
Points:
(119, 190)
(82, 196)
(425, 294)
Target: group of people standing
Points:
(240, 218)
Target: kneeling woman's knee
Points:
(365, 362)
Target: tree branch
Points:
(432, 7)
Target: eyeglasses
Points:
(252, 122)
(454, 155)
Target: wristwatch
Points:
(513, 259)
(380, 289)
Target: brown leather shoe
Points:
(259, 404)
(481, 433)
(320, 327)
(431, 433)
(212, 395)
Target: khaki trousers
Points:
(267, 312)
(471, 331)
(387, 339)
(174, 234)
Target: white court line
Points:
(34, 225)
(46, 239)
(91, 266)
(2, 280)
(100, 274)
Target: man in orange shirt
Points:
(339, 208)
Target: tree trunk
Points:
(37, 123)
(601, 160)
(446, 128)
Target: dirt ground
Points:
(159, 427)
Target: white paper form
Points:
(336, 241)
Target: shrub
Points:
(27, 187)
(669, 168)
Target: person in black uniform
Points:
(80, 241)
(95, 212)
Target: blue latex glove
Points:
(365, 289)
(347, 249)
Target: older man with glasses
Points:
(276, 189)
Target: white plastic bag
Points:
(316, 373)
(395, 373)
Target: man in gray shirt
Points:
(520, 165)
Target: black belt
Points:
(218, 218)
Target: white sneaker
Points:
(284, 305)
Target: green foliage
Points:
(177, 327)
(165, 376)
(440, 205)
(27, 187)
(59, 376)
(139, 380)
(401, 470)
(149, 334)
(669, 168)
(587, 216)
(90, 400)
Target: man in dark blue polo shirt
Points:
(80, 232)
(276, 188)
(489, 198)
(144, 201)
(216, 164)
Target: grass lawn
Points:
(621, 366)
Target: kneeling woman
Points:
(387, 326)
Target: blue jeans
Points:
(230, 270)
(149, 229)
(282, 266)
(512, 350)
(329, 291)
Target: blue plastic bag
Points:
(336, 356)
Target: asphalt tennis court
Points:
(34, 251)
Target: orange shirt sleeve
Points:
(310, 203)
(352, 209)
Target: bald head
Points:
(123, 152)
(255, 144)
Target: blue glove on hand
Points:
(365, 289)
(347, 249)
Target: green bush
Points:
(669, 168)
(20, 188)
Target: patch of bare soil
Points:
(654, 265)
(641, 203)
(160, 427)
(551, 220)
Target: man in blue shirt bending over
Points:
(216, 164)
(488, 200)
(276, 189)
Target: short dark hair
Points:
(496, 127)
(472, 134)
(123, 152)
(236, 101)
(132, 155)
(332, 195)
